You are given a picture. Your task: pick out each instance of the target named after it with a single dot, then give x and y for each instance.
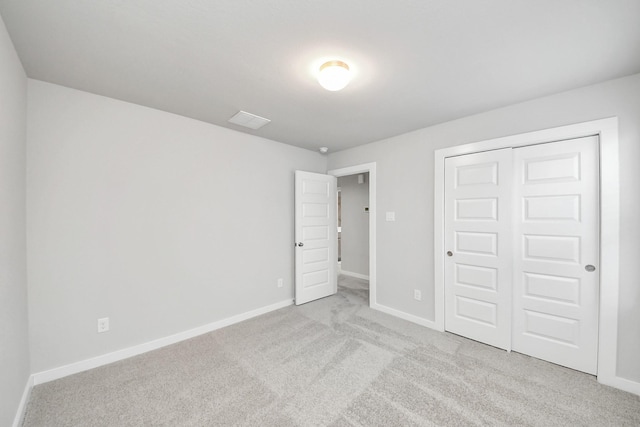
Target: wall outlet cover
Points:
(103, 324)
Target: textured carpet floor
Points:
(332, 362)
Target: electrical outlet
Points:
(103, 325)
(417, 294)
(280, 283)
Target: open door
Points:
(316, 234)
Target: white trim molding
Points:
(607, 130)
(22, 407)
(621, 383)
(405, 316)
(105, 359)
(352, 274)
(353, 170)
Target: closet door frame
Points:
(607, 132)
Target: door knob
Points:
(590, 268)
(449, 253)
(300, 244)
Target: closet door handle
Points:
(590, 268)
(449, 253)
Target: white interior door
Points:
(316, 235)
(522, 235)
(478, 242)
(556, 284)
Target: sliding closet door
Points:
(556, 286)
(478, 242)
(522, 242)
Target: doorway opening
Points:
(353, 225)
(357, 242)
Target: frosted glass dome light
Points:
(334, 75)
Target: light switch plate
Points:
(391, 216)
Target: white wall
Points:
(159, 222)
(405, 167)
(355, 224)
(14, 350)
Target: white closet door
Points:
(556, 289)
(478, 240)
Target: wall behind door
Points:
(405, 185)
(355, 224)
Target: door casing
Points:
(607, 131)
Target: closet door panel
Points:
(477, 237)
(556, 289)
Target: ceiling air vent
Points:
(248, 120)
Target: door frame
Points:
(607, 130)
(354, 170)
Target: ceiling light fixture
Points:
(334, 75)
(324, 150)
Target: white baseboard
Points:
(356, 275)
(621, 383)
(406, 316)
(84, 365)
(22, 407)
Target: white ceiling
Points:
(418, 63)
